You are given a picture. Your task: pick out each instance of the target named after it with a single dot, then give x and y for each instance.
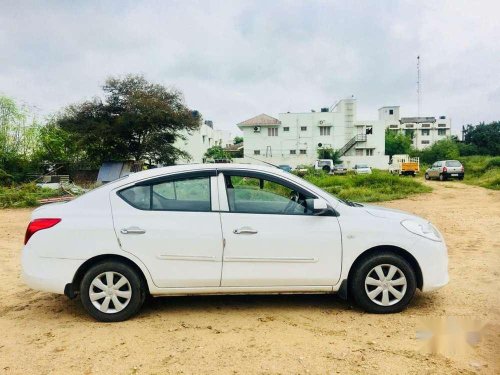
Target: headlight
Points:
(426, 230)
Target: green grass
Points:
(377, 187)
(26, 195)
(482, 171)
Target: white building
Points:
(294, 138)
(197, 142)
(425, 131)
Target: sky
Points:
(236, 59)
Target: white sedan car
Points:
(227, 229)
(362, 169)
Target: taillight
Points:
(39, 224)
(445, 169)
(462, 169)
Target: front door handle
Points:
(245, 230)
(132, 230)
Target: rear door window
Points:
(181, 194)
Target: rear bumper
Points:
(47, 274)
(454, 175)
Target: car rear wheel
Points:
(326, 168)
(383, 283)
(112, 291)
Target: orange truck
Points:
(404, 165)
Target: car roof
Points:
(196, 167)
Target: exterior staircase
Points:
(356, 139)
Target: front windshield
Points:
(362, 165)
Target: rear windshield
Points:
(453, 163)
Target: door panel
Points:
(179, 248)
(271, 236)
(285, 250)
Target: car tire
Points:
(326, 169)
(442, 177)
(427, 177)
(392, 297)
(120, 301)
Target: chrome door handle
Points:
(245, 230)
(132, 230)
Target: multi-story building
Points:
(197, 142)
(295, 138)
(424, 131)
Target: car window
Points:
(182, 195)
(453, 163)
(137, 196)
(261, 196)
(190, 194)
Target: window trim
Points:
(170, 178)
(262, 175)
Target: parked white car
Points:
(362, 169)
(224, 229)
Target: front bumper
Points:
(432, 257)
(47, 274)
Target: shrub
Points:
(26, 195)
(379, 186)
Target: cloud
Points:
(236, 59)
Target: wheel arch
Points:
(77, 279)
(391, 249)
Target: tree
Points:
(217, 152)
(485, 137)
(237, 140)
(397, 143)
(444, 149)
(329, 153)
(136, 120)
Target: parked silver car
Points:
(445, 169)
(339, 169)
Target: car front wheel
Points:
(111, 291)
(427, 177)
(383, 283)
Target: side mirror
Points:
(319, 206)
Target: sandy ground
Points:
(44, 333)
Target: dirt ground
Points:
(45, 333)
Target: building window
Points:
(441, 131)
(409, 132)
(425, 142)
(359, 152)
(293, 152)
(391, 111)
(272, 132)
(286, 129)
(426, 132)
(441, 125)
(426, 125)
(303, 152)
(369, 152)
(409, 125)
(324, 130)
(303, 128)
(393, 126)
(256, 152)
(369, 130)
(203, 137)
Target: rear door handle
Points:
(132, 230)
(245, 230)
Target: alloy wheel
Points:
(385, 285)
(110, 292)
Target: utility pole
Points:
(418, 86)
